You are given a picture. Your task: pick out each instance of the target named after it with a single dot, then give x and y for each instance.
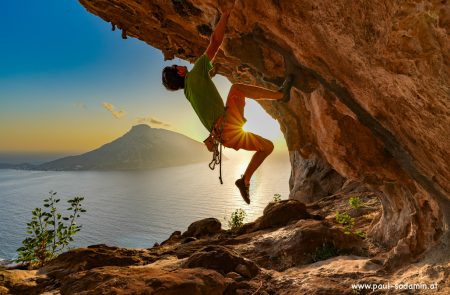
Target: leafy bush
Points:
(355, 202)
(49, 232)
(277, 198)
(346, 220)
(360, 233)
(237, 219)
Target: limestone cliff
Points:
(371, 101)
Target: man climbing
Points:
(224, 123)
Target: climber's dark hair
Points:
(170, 78)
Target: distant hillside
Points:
(142, 147)
(23, 166)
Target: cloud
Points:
(141, 120)
(80, 105)
(156, 122)
(112, 109)
(152, 122)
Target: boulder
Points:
(281, 213)
(144, 280)
(17, 281)
(202, 228)
(92, 257)
(223, 260)
(301, 243)
(173, 238)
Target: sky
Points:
(68, 84)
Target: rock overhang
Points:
(373, 101)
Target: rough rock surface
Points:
(297, 243)
(144, 280)
(222, 260)
(371, 100)
(204, 227)
(369, 114)
(306, 256)
(278, 214)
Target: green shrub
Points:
(277, 198)
(237, 219)
(346, 220)
(360, 233)
(49, 232)
(355, 202)
(348, 229)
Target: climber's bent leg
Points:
(234, 137)
(257, 93)
(257, 159)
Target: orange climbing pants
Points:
(233, 136)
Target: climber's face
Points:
(181, 70)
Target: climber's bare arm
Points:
(219, 32)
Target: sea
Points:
(136, 209)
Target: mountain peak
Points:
(140, 148)
(141, 127)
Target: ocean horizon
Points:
(34, 158)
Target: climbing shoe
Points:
(244, 189)
(286, 88)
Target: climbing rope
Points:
(217, 148)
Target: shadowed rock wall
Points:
(371, 99)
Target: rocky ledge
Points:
(291, 249)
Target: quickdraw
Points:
(217, 148)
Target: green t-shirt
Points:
(201, 92)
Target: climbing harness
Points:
(216, 136)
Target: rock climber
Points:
(201, 92)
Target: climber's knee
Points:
(235, 103)
(237, 87)
(236, 93)
(268, 147)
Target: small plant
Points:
(49, 232)
(324, 252)
(277, 198)
(355, 202)
(346, 220)
(237, 219)
(360, 233)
